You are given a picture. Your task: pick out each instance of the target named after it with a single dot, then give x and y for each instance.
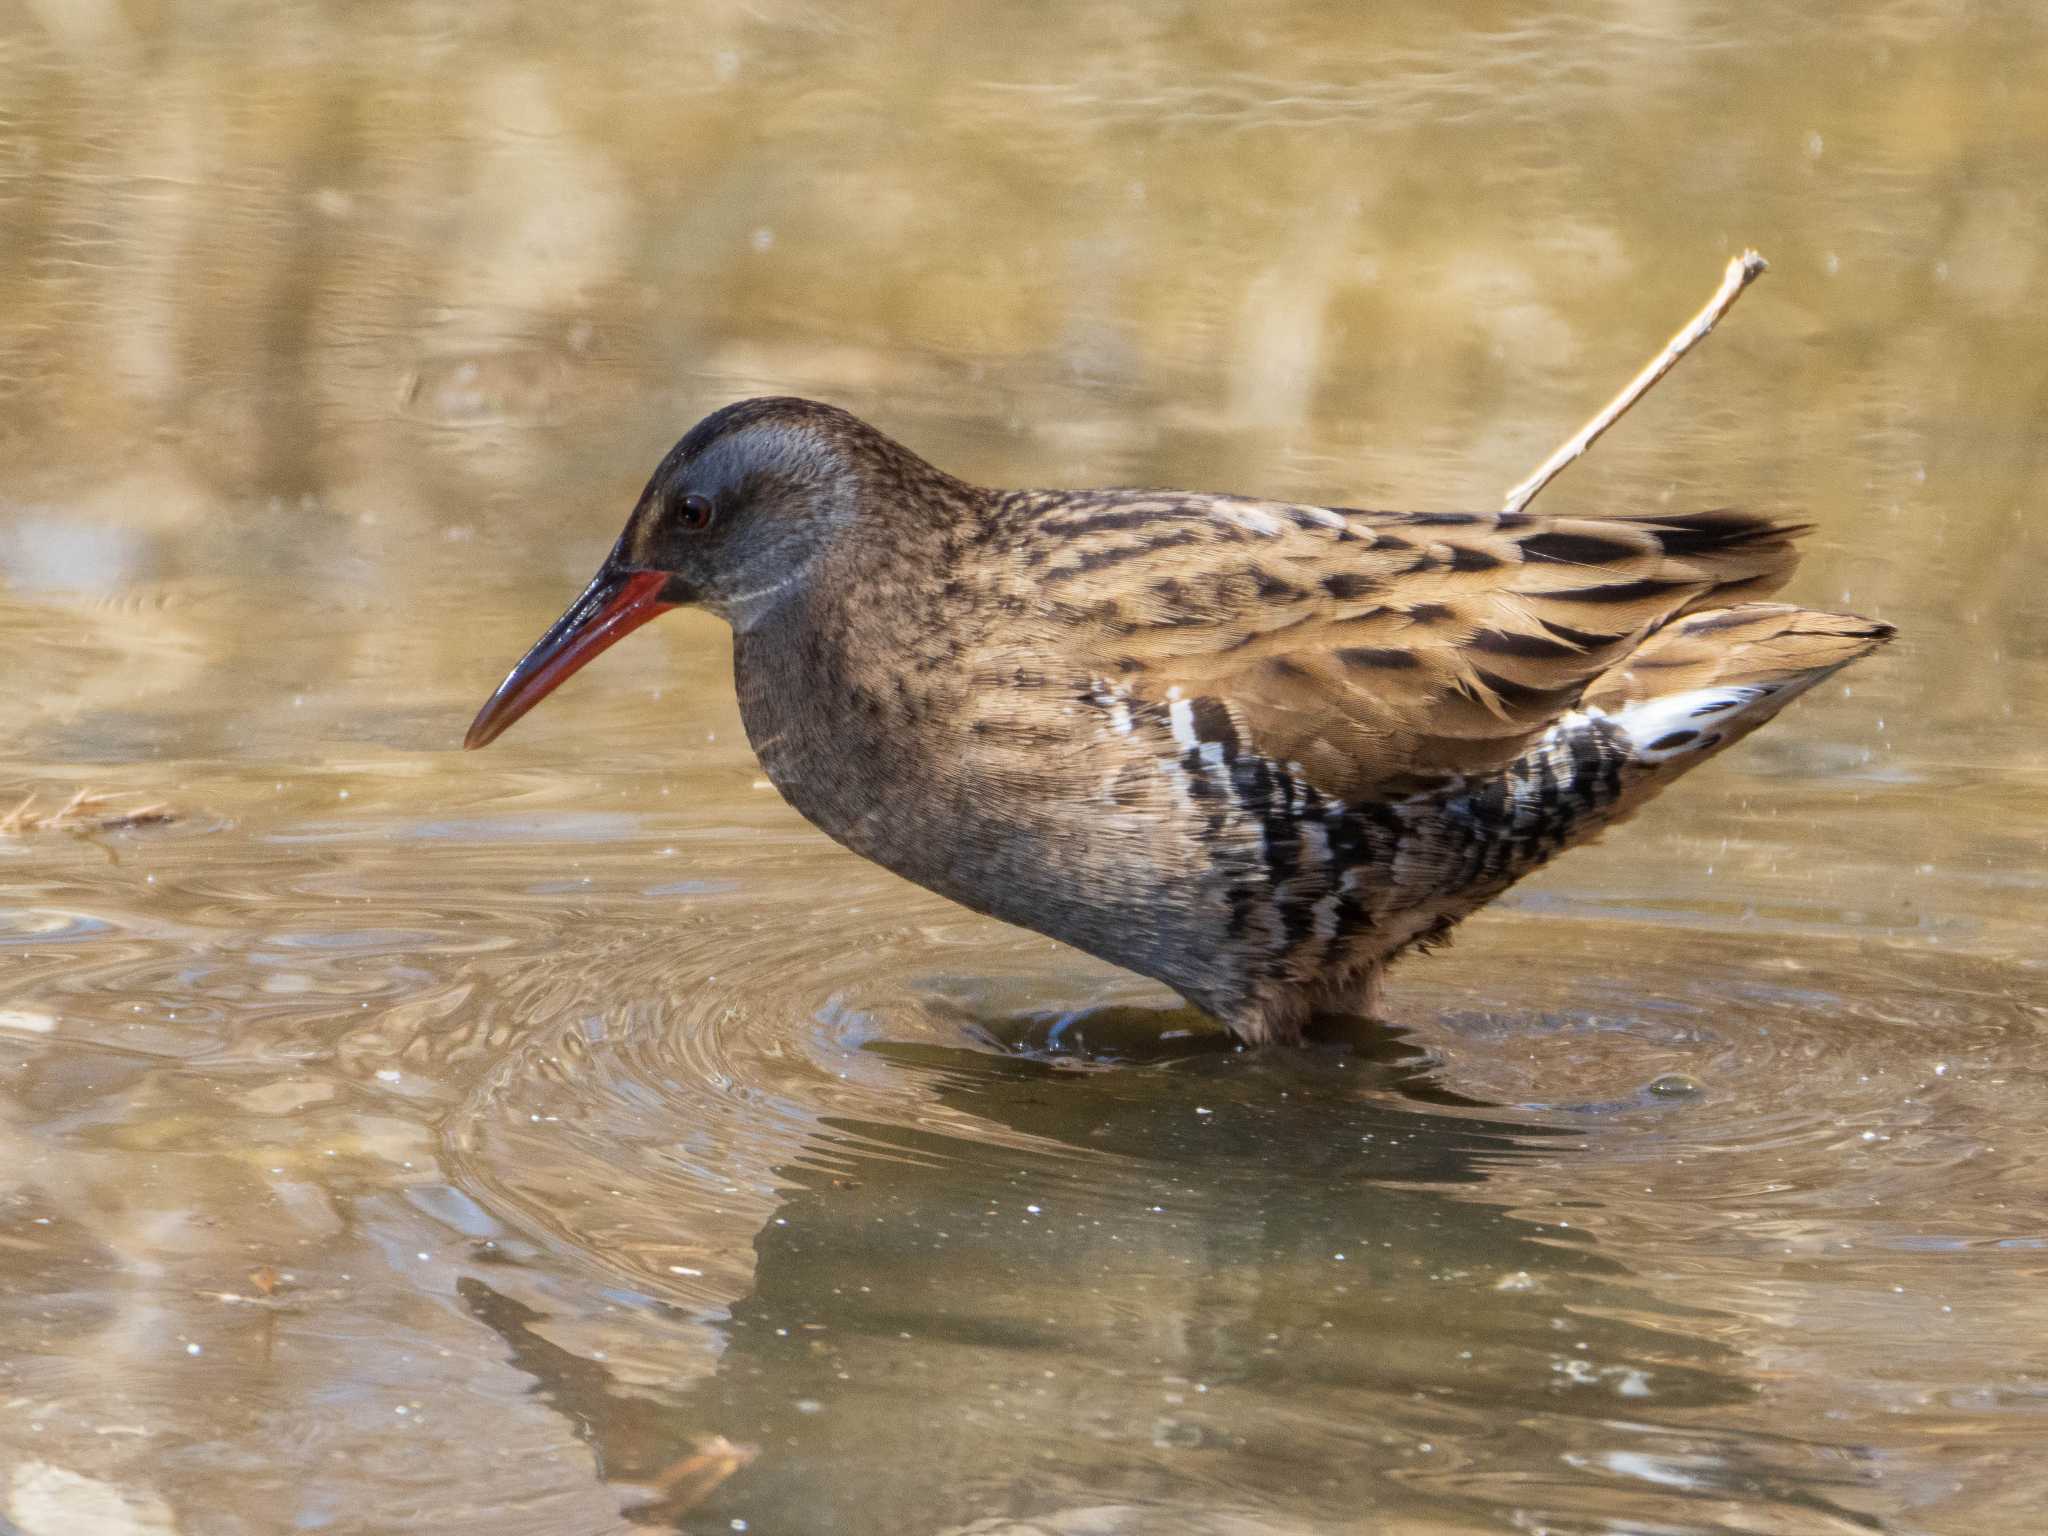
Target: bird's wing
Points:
(1380, 651)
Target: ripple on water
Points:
(42, 925)
(717, 1108)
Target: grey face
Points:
(731, 521)
(735, 516)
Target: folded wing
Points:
(1380, 651)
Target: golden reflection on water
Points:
(405, 1141)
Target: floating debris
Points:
(86, 811)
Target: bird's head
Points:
(732, 520)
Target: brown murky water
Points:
(399, 1140)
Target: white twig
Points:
(1742, 271)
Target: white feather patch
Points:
(1315, 839)
(1251, 519)
(1115, 699)
(1675, 724)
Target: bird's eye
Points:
(694, 512)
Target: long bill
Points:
(614, 605)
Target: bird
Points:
(1254, 750)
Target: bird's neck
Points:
(850, 683)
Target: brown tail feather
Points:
(1751, 644)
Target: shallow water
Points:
(396, 1139)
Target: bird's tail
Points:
(1705, 681)
(1699, 684)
